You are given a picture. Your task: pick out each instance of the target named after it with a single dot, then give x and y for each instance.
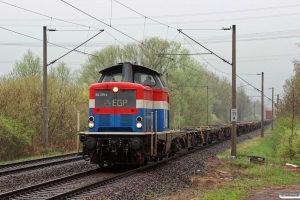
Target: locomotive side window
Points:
(147, 79)
(137, 78)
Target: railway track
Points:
(85, 191)
(51, 188)
(84, 183)
(11, 168)
(88, 188)
(101, 183)
(81, 183)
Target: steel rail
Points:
(30, 189)
(36, 160)
(101, 183)
(110, 180)
(11, 171)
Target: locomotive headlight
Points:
(139, 125)
(115, 89)
(91, 124)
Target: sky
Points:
(267, 33)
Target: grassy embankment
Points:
(224, 179)
(272, 172)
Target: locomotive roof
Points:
(106, 70)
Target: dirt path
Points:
(217, 176)
(270, 193)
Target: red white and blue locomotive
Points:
(128, 105)
(129, 119)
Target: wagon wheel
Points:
(101, 165)
(146, 160)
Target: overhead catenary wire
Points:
(204, 47)
(145, 16)
(204, 58)
(44, 14)
(74, 48)
(107, 24)
(251, 85)
(42, 40)
(198, 14)
(114, 38)
(101, 21)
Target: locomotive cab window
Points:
(117, 77)
(147, 79)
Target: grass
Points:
(224, 194)
(258, 146)
(270, 173)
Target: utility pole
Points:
(45, 91)
(272, 108)
(233, 136)
(262, 104)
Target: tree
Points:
(288, 117)
(29, 66)
(150, 53)
(108, 56)
(61, 73)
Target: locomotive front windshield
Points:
(117, 77)
(140, 78)
(129, 73)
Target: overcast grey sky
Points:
(267, 32)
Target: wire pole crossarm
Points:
(180, 31)
(52, 62)
(179, 54)
(46, 41)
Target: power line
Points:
(252, 86)
(201, 29)
(115, 38)
(100, 21)
(204, 58)
(205, 48)
(42, 14)
(70, 30)
(178, 54)
(186, 14)
(145, 16)
(106, 24)
(42, 40)
(74, 48)
(194, 22)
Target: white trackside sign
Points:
(233, 115)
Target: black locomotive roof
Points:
(114, 67)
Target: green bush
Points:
(15, 138)
(287, 139)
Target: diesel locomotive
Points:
(129, 122)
